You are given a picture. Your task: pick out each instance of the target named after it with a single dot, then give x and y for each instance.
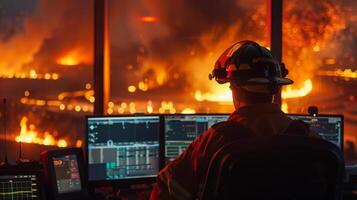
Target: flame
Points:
(148, 19)
(74, 57)
(346, 73)
(188, 111)
(223, 94)
(28, 134)
(289, 92)
(68, 60)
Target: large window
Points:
(162, 52)
(319, 44)
(46, 58)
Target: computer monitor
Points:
(329, 127)
(21, 185)
(181, 130)
(123, 149)
(64, 173)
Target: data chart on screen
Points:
(123, 147)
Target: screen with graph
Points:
(329, 127)
(123, 147)
(17, 187)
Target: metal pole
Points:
(101, 57)
(275, 19)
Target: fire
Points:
(28, 134)
(289, 92)
(222, 94)
(74, 57)
(148, 19)
(68, 60)
(346, 73)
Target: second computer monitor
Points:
(329, 127)
(181, 130)
(122, 148)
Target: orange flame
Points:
(223, 94)
(148, 19)
(289, 92)
(68, 60)
(30, 135)
(346, 73)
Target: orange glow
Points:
(188, 111)
(131, 88)
(148, 19)
(62, 143)
(69, 60)
(346, 73)
(285, 107)
(223, 94)
(289, 92)
(79, 143)
(32, 74)
(28, 134)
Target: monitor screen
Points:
(328, 127)
(67, 174)
(19, 186)
(123, 147)
(181, 130)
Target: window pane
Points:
(162, 52)
(46, 49)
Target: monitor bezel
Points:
(37, 172)
(327, 115)
(163, 158)
(49, 155)
(128, 181)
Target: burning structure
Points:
(161, 54)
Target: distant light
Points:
(150, 109)
(131, 88)
(92, 99)
(79, 143)
(88, 86)
(62, 107)
(121, 110)
(316, 48)
(110, 111)
(70, 107)
(123, 105)
(111, 104)
(62, 143)
(148, 19)
(47, 76)
(27, 93)
(172, 110)
(77, 108)
(188, 111)
(330, 61)
(33, 74)
(85, 108)
(55, 76)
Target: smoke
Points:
(51, 27)
(188, 36)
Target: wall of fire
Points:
(161, 54)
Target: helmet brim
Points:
(266, 81)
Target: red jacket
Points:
(183, 177)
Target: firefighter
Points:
(255, 78)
